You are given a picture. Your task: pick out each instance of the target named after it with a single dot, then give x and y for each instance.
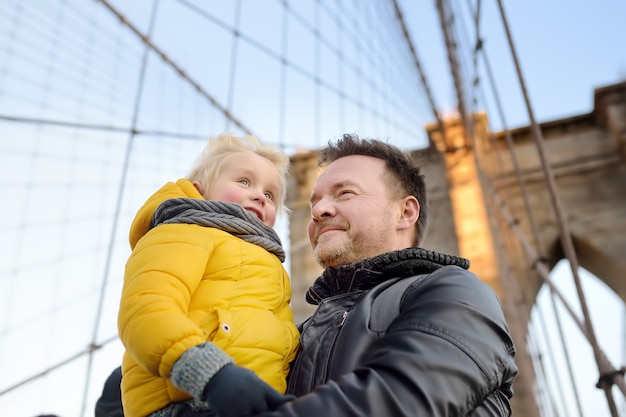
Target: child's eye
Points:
(244, 181)
(269, 196)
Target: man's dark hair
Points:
(404, 175)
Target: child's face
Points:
(250, 180)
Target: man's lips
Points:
(328, 228)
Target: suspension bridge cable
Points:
(459, 36)
(512, 287)
(608, 374)
(145, 39)
(454, 68)
(479, 50)
(542, 269)
(568, 360)
(282, 109)
(479, 44)
(233, 63)
(517, 320)
(307, 73)
(481, 172)
(88, 351)
(120, 194)
(552, 361)
(340, 78)
(532, 223)
(117, 129)
(420, 69)
(68, 53)
(317, 68)
(510, 245)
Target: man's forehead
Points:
(351, 168)
(328, 184)
(333, 176)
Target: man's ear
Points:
(409, 213)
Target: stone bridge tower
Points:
(588, 156)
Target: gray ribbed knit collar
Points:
(366, 274)
(229, 217)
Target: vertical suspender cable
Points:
(420, 69)
(283, 76)
(507, 280)
(454, 66)
(118, 205)
(604, 366)
(234, 54)
(529, 214)
(146, 40)
(509, 243)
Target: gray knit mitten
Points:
(210, 375)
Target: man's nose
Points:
(322, 209)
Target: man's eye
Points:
(345, 192)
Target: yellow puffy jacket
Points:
(186, 284)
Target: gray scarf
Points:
(229, 217)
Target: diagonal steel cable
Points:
(480, 51)
(118, 205)
(148, 42)
(608, 374)
(419, 67)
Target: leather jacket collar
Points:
(366, 274)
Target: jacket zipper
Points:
(343, 320)
(295, 364)
(331, 351)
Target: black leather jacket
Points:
(448, 352)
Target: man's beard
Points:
(331, 258)
(353, 246)
(341, 253)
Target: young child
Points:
(205, 275)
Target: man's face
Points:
(353, 216)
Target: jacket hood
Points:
(368, 273)
(143, 219)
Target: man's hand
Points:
(237, 392)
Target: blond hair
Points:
(208, 166)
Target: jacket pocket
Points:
(224, 331)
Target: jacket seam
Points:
(456, 342)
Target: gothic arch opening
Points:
(563, 359)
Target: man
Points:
(447, 353)
(440, 347)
